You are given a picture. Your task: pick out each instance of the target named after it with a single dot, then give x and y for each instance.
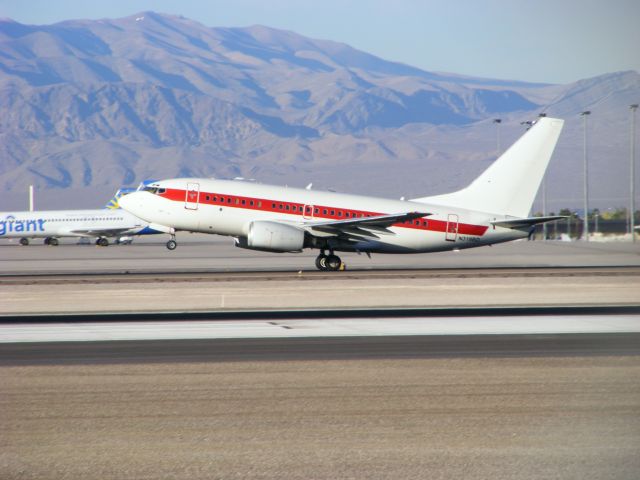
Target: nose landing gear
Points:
(172, 244)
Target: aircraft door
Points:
(192, 197)
(452, 228)
(307, 213)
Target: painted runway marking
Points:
(175, 330)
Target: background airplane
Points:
(111, 221)
(493, 208)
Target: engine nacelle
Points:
(272, 237)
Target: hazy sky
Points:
(555, 41)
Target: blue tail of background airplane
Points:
(113, 203)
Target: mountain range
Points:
(89, 106)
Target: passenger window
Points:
(324, 211)
(208, 198)
(259, 204)
(286, 207)
(251, 203)
(316, 210)
(244, 202)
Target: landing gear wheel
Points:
(333, 263)
(53, 242)
(102, 242)
(172, 244)
(24, 242)
(321, 262)
(47, 240)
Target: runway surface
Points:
(315, 290)
(340, 347)
(209, 273)
(211, 253)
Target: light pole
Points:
(632, 171)
(544, 195)
(497, 121)
(584, 115)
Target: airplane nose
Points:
(130, 202)
(123, 201)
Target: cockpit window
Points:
(154, 190)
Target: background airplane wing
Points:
(99, 232)
(362, 227)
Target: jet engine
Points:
(272, 237)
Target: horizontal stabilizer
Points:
(526, 222)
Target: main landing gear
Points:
(24, 242)
(102, 242)
(329, 262)
(51, 241)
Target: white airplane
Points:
(492, 209)
(53, 224)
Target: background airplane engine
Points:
(272, 237)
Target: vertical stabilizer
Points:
(509, 185)
(114, 204)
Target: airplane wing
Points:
(361, 228)
(526, 222)
(98, 232)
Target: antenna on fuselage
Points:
(308, 187)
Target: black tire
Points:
(172, 244)
(321, 262)
(333, 263)
(103, 242)
(53, 242)
(24, 242)
(47, 240)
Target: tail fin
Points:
(113, 203)
(510, 184)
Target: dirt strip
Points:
(499, 418)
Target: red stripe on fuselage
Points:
(319, 211)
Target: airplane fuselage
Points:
(229, 207)
(69, 223)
